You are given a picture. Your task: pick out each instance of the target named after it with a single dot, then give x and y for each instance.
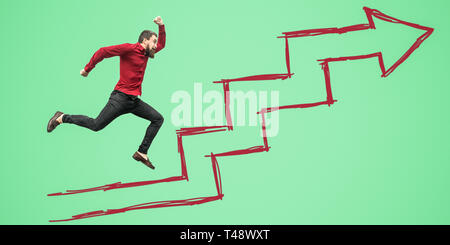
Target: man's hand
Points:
(158, 20)
(84, 73)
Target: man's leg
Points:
(112, 110)
(145, 111)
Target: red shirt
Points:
(132, 62)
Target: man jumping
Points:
(124, 98)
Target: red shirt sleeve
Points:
(107, 52)
(161, 38)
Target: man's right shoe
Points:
(140, 158)
(53, 123)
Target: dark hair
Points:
(145, 34)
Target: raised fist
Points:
(158, 20)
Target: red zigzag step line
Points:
(259, 148)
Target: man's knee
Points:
(96, 126)
(159, 121)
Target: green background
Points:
(377, 156)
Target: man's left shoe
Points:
(140, 158)
(52, 123)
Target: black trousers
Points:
(118, 104)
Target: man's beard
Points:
(150, 53)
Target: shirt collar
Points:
(140, 48)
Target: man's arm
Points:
(161, 35)
(105, 52)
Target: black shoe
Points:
(53, 123)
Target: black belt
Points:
(133, 97)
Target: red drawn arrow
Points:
(183, 132)
(371, 13)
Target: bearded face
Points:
(150, 47)
(150, 52)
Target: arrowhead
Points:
(401, 50)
